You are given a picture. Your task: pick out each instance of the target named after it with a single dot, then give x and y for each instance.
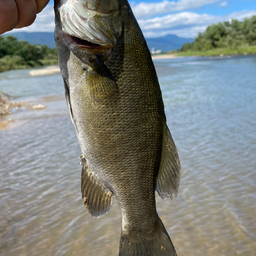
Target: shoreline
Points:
(47, 70)
(54, 69)
(50, 70)
(164, 56)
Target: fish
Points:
(116, 106)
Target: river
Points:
(211, 111)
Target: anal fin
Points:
(97, 198)
(168, 178)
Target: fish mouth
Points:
(82, 43)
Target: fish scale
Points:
(115, 103)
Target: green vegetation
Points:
(226, 38)
(16, 54)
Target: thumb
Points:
(41, 4)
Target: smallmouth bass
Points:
(116, 106)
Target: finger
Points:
(26, 12)
(8, 15)
(41, 4)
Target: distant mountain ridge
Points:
(43, 38)
(164, 43)
(168, 42)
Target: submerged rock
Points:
(6, 104)
(5, 124)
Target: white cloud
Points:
(240, 15)
(223, 4)
(147, 10)
(175, 21)
(186, 24)
(183, 24)
(190, 32)
(44, 22)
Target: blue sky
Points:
(184, 18)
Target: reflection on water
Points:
(211, 111)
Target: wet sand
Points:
(49, 70)
(164, 56)
(5, 124)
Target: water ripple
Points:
(211, 111)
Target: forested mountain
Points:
(167, 43)
(42, 38)
(232, 34)
(229, 37)
(15, 54)
(164, 43)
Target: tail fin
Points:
(158, 243)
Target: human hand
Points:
(19, 13)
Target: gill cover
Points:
(96, 21)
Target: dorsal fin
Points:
(168, 178)
(97, 198)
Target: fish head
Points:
(92, 25)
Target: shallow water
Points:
(211, 111)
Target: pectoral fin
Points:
(102, 86)
(97, 198)
(168, 178)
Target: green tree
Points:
(250, 30)
(232, 34)
(20, 54)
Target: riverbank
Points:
(49, 67)
(249, 50)
(54, 69)
(50, 70)
(164, 56)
